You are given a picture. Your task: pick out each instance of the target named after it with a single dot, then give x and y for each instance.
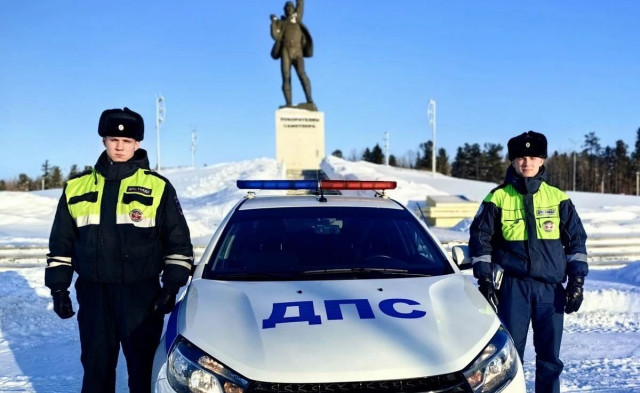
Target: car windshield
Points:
(300, 243)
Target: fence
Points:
(602, 249)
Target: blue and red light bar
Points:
(316, 184)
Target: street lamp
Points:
(159, 120)
(574, 162)
(431, 112)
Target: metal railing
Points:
(602, 249)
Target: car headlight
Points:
(190, 370)
(495, 366)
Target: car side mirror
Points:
(460, 256)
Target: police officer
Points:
(118, 226)
(532, 231)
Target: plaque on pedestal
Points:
(299, 138)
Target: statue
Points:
(292, 44)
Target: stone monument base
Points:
(299, 138)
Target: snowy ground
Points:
(40, 353)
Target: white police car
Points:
(330, 293)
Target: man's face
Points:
(120, 149)
(527, 166)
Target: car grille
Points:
(449, 383)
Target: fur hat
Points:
(527, 144)
(121, 123)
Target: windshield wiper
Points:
(365, 270)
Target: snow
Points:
(41, 353)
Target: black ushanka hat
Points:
(123, 123)
(528, 144)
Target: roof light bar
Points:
(357, 185)
(316, 185)
(278, 184)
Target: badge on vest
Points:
(548, 226)
(135, 215)
(139, 190)
(546, 212)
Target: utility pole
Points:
(574, 162)
(194, 143)
(159, 119)
(431, 112)
(386, 148)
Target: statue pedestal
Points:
(299, 138)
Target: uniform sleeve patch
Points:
(139, 190)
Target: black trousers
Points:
(115, 315)
(525, 301)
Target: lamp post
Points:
(194, 143)
(431, 112)
(386, 148)
(159, 120)
(574, 162)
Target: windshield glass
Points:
(324, 243)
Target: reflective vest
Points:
(139, 197)
(546, 204)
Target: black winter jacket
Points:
(530, 229)
(141, 231)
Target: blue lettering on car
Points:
(333, 308)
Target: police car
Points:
(331, 293)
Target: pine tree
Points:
(56, 180)
(442, 162)
(73, 171)
(377, 156)
(24, 182)
(423, 160)
(46, 171)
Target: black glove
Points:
(165, 302)
(485, 284)
(573, 294)
(62, 304)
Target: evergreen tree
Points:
(442, 162)
(337, 153)
(46, 172)
(56, 180)
(24, 182)
(392, 160)
(377, 156)
(73, 171)
(366, 156)
(493, 166)
(423, 160)
(3, 185)
(595, 172)
(466, 165)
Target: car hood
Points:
(338, 330)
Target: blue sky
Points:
(494, 68)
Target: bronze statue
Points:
(292, 44)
